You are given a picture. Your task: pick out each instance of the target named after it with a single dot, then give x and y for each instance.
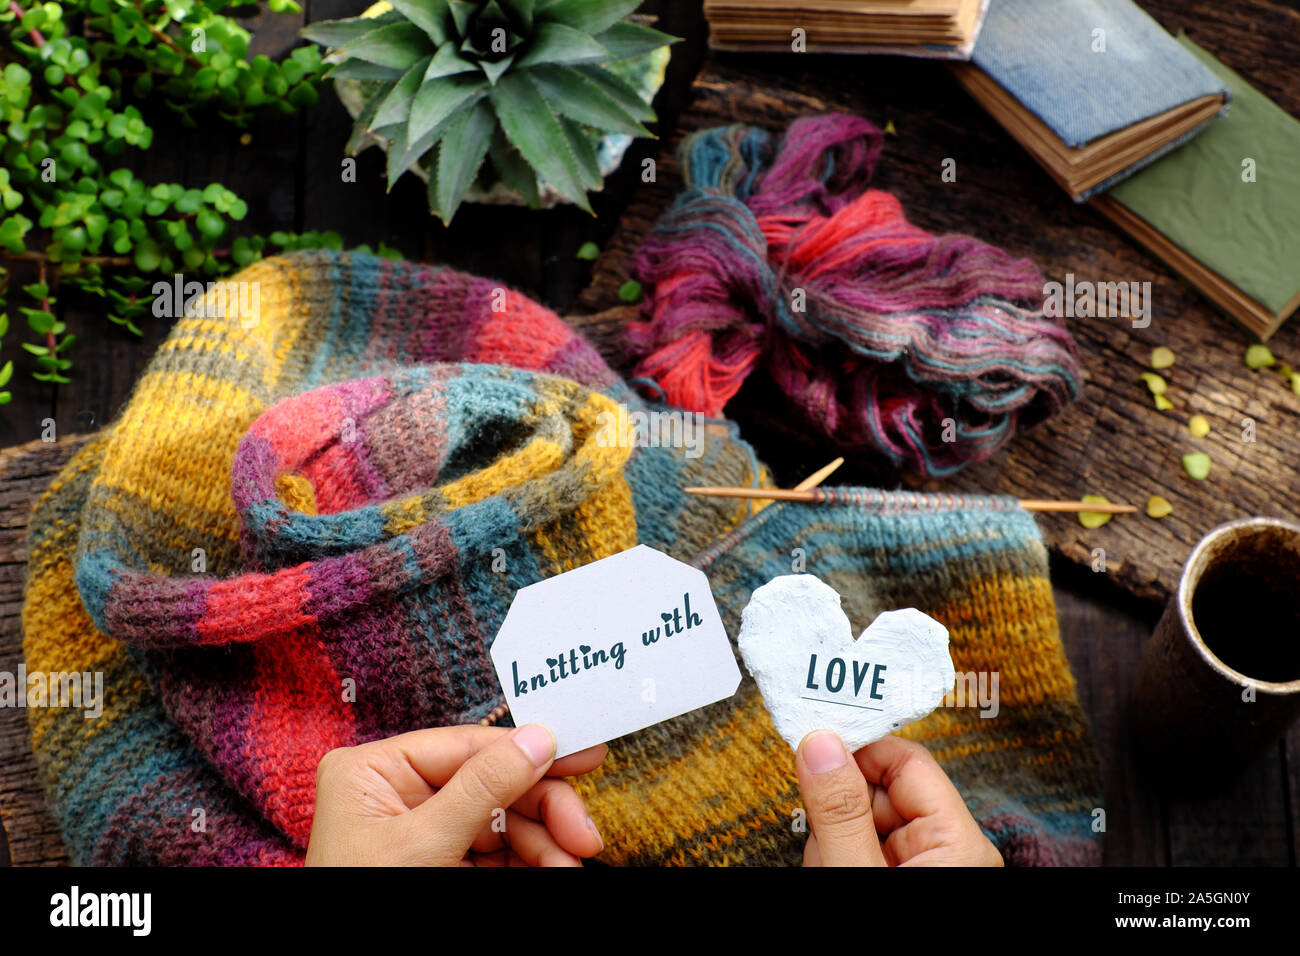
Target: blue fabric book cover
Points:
(1091, 68)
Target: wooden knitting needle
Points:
(818, 476)
(810, 495)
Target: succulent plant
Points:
(515, 91)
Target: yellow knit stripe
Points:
(297, 493)
(187, 487)
(603, 524)
(53, 606)
(1007, 624)
(676, 799)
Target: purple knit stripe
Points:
(229, 837)
(445, 325)
(340, 584)
(152, 611)
(252, 476)
(1024, 841)
(580, 361)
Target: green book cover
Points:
(1230, 197)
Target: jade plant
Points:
(511, 91)
(73, 214)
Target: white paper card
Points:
(798, 644)
(613, 647)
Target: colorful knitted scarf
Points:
(926, 349)
(305, 528)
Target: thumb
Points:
(838, 801)
(488, 782)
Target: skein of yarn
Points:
(929, 349)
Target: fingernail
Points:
(536, 742)
(824, 752)
(591, 825)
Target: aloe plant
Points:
(515, 91)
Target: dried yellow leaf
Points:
(1094, 519)
(1155, 383)
(1158, 507)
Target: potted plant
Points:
(530, 101)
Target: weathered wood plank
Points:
(25, 471)
(1104, 631)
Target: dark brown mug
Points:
(1221, 674)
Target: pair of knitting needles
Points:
(804, 491)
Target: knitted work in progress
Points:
(317, 500)
(877, 331)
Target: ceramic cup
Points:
(1220, 678)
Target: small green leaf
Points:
(209, 224)
(630, 291)
(148, 255)
(6, 373)
(1161, 358)
(588, 251)
(1155, 383)
(1197, 465)
(40, 321)
(1258, 356)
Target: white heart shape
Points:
(798, 644)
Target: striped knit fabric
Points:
(303, 532)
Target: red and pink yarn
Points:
(929, 349)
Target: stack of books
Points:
(1092, 89)
(928, 28)
(1224, 210)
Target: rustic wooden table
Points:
(292, 180)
